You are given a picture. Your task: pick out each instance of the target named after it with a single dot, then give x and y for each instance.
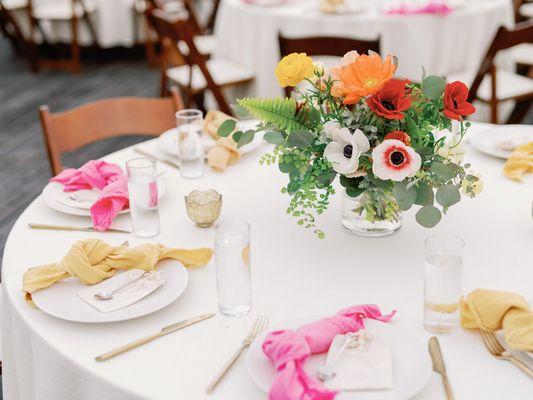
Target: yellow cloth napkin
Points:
(93, 260)
(520, 162)
(225, 151)
(492, 310)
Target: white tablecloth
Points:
(294, 275)
(247, 34)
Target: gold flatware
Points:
(497, 350)
(72, 228)
(164, 331)
(259, 326)
(163, 160)
(438, 365)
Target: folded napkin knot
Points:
(109, 178)
(493, 310)
(288, 350)
(93, 260)
(520, 162)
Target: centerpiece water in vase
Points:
(375, 132)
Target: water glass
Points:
(191, 149)
(443, 274)
(142, 188)
(232, 254)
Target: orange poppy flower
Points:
(365, 76)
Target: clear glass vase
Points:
(374, 213)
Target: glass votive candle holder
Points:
(203, 207)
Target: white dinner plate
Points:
(410, 361)
(168, 141)
(490, 140)
(61, 300)
(57, 199)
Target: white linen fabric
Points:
(294, 275)
(247, 34)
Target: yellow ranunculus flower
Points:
(294, 68)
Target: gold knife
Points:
(438, 365)
(72, 228)
(165, 331)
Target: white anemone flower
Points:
(344, 151)
(393, 160)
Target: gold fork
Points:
(259, 326)
(497, 350)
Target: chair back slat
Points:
(504, 39)
(70, 130)
(175, 30)
(324, 46)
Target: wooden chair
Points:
(324, 46)
(204, 42)
(70, 130)
(493, 86)
(72, 11)
(198, 74)
(12, 31)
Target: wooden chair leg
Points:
(199, 100)
(519, 112)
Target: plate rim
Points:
(303, 320)
(473, 139)
(126, 318)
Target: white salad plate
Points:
(411, 362)
(61, 300)
(168, 141)
(498, 141)
(57, 199)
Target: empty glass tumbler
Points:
(232, 260)
(443, 273)
(143, 195)
(191, 150)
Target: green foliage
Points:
(448, 195)
(425, 195)
(428, 216)
(443, 172)
(227, 127)
(301, 139)
(433, 86)
(245, 138)
(279, 112)
(405, 196)
(276, 138)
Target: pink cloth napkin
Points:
(109, 178)
(289, 349)
(429, 8)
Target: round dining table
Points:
(247, 34)
(294, 275)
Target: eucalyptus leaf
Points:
(301, 139)
(354, 192)
(433, 86)
(448, 195)
(245, 138)
(428, 216)
(405, 197)
(425, 195)
(274, 137)
(226, 127)
(326, 177)
(352, 183)
(444, 172)
(237, 136)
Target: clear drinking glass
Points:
(142, 188)
(191, 149)
(232, 254)
(443, 275)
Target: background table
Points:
(247, 34)
(294, 275)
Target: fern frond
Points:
(280, 112)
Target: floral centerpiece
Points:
(393, 143)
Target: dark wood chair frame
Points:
(73, 63)
(324, 46)
(504, 39)
(175, 30)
